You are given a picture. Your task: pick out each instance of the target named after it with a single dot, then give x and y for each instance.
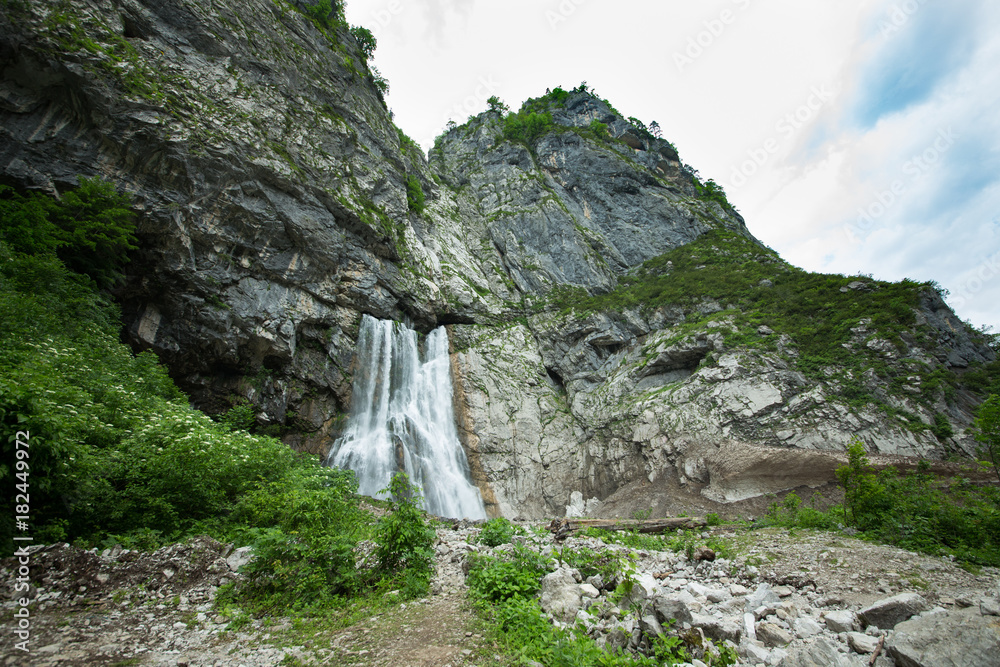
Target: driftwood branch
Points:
(564, 527)
(877, 651)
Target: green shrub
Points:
(599, 130)
(176, 468)
(866, 500)
(498, 580)
(414, 195)
(712, 191)
(91, 229)
(240, 417)
(497, 531)
(366, 40)
(527, 128)
(404, 540)
(987, 432)
(495, 105)
(942, 427)
(303, 528)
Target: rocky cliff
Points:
(615, 325)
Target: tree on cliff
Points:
(987, 432)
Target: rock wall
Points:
(270, 183)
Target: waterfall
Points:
(402, 419)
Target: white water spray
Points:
(402, 420)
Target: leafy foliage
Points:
(495, 105)
(403, 537)
(527, 127)
(303, 528)
(414, 195)
(497, 531)
(500, 580)
(599, 130)
(91, 229)
(366, 40)
(327, 13)
(712, 191)
(916, 512)
(987, 432)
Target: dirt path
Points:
(439, 631)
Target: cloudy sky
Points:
(854, 137)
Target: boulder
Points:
(761, 597)
(861, 643)
(650, 626)
(644, 587)
(989, 607)
(954, 638)
(841, 621)
(672, 610)
(239, 558)
(806, 627)
(773, 635)
(561, 595)
(887, 612)
(821, 653)
(718, 629)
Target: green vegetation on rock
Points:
(819, 312)
(987, 432)
(914, 510)
(505, 587)
(414, 195)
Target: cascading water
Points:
(402, 420)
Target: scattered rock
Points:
(841, 621)
(773, 635)
(887, 612)
(960, 637)
(704, 553)
(821, 653)
(861, 642)
(806, 627)
(561, 595)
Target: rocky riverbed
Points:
(783, 598)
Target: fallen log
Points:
(564, 527)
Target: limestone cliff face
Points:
(271, 185)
